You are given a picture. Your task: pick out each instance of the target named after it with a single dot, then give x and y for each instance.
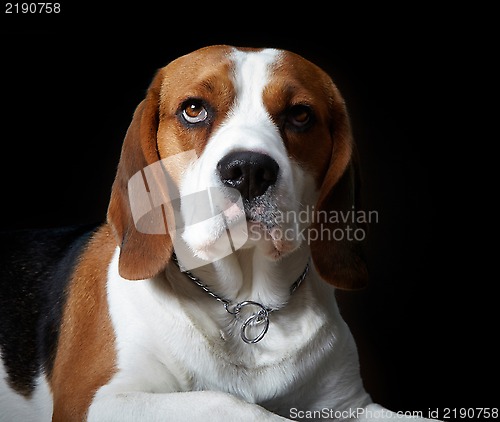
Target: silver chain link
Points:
(257, 318)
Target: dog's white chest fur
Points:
(165, 344)
(182, 347)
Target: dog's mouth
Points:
(264, 211)
(239, 223)
(266, 221)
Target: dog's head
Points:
(265, 130)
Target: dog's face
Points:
(266, 125)
(255, 126)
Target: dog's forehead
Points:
(217, 57)
(220, 67)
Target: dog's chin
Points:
(210, 243)
(275, 241)
(216, 238)
(258, 223)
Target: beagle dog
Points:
(209, 292)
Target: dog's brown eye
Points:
(299, 116)
(194, 112)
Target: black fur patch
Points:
(35, 268)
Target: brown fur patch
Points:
(157, 132)
(206, 75)
(85, 358)
(326, 150)
(293, 81)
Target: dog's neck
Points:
(249, 275)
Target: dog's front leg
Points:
(185, 406)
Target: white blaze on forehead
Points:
(248, 125)
(251, 70)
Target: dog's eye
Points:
(300, 116)
(193, 111)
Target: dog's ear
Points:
(145, 244)
(337, 253)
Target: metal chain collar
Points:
(260, 317)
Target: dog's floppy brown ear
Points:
(143, 253)
(337, 248)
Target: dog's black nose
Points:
(249, 172)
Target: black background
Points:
(425, 325)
